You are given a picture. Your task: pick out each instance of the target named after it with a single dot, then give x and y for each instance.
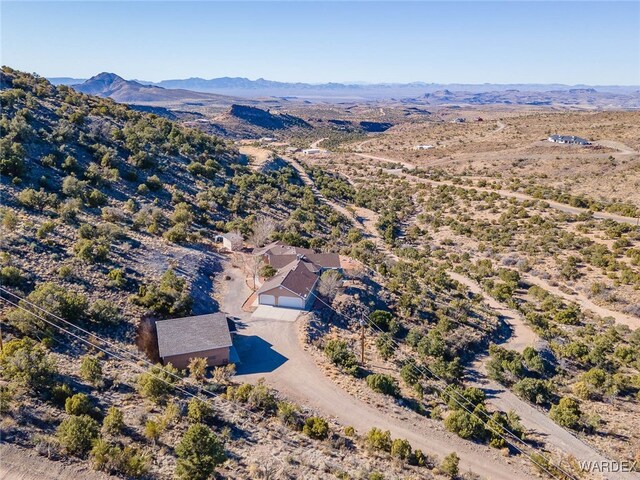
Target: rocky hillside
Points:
(108, 216)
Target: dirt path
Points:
(505, 193)
(18, 463)
(584, 302)
(303, 378)
(521, 335)
(272, 349)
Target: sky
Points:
(595, 43)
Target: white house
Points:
(231, 241)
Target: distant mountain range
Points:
(230, 90)
(129, 91)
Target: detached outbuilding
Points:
(204, 336)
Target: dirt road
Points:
(505, 193)
(271, 349)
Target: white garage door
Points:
(290, 302)
(267, 300)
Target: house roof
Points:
(299, 278)
(319, 260)
(279, 248)
(179, 336)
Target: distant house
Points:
(423, 147)
(459, 120)
(298, 272)
(313, 151)
(570, 139)
(203, 336)
(231, 241)
(292, 150)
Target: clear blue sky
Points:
(443, 42)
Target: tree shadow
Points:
(256, 355)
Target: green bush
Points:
(113, 459)
(450, 465)
(289, 414)
(338, 352)
(168, 297)
(383, 383)
(27, 363)
(381, 319)
(465, 425)
(77, 433)
(199, 411)
(316, 427)
(566, 413)
(91, 370)
(401, 449)
(11, 276)
(157, 383)
(534, 390)
(199, 452)
(113, 422)
(52, 298)
(78, 404)
(105, 312)
(377, 439)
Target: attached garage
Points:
(265, 299)
(291, 302)
(292, 287)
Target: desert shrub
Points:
(117, 278)
(91, 370)
(6, 399)
(289, 414)
(383, 383)
(381, 319)
(105, 313)
(465, 425)
(152, 430)
(450, 465)
(27, 363)
(377, 439)
(410, 374)
(154, 183)
(91, 251)
(170, 296)
(113, 422)
(316, 427)
(77, 433)
(179, 233)
(566, 413)
(329, 284)
(199, 411)
(338, 352)
(53, 298)
(267, 271)
(505, 366)
(79, 404)
(11, 276)
(385, 345)
(9, 219)
(534, 390)
(197, 368)
(261, 398)
(199, 452)
(127, 461)
(157, 383)
(37, 199)
(45, 229)
(401, 449)
(59, 394)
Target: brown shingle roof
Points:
(298, 278)
(192, 334)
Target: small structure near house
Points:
(267, 139)
(231, 241)
(292, 150)
(570, 139)
(459, 120)
(204, 336)
(479, 119)
(298, 273)
(423, 147)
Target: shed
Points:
(205, 336)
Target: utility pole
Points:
(362, 324)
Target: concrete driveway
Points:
(266, 312)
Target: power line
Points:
(251, 414)
(453, 392)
